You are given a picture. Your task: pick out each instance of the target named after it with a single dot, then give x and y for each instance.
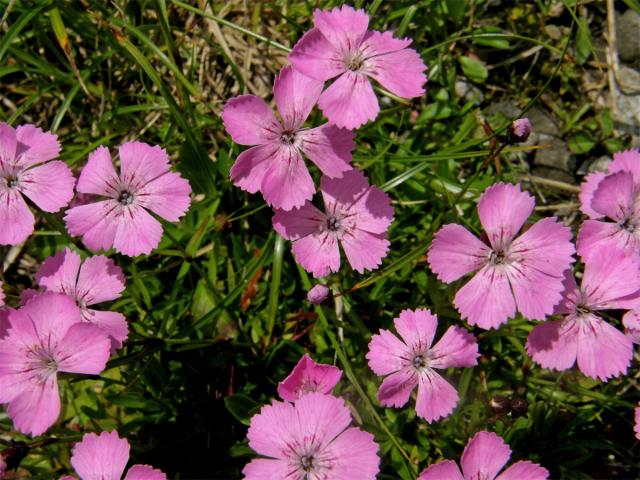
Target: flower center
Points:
(288, 137)
(628, 225)
(497, 258)
(12, 182)
(333, 224)
(306, 462)
(125, 198)
(419, 362)
(354, 61)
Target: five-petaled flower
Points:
(310, 439)
(26, 169)
(356, 216)
(105, 457)
(483, 458)
(526, 271)
(308, 376)
(45, 336)
(122, 220)
(610, 281)
(341, 46)
(98, 279)
(413, 361)
(274, 164)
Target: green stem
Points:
(276, 275)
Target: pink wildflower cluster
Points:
(309, 435)
(356, 215)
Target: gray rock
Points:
(554, 161)
(628, 33)
(468, 92)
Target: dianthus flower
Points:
(98, 279)
(631, 322)
(310, 439)
(356, 215)
(340, 45)
(45, 336)
(4, 322)
(318, 294)
(123, 220)
(412, 362)
(308, 376)
(274, 165)
(26, 169)
(483, 458)
(105, 457)
(524, 272)
(610, 281)
(612, 203)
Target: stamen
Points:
(12, 182)
(419, 362)
(306, 462)
(354, 62)
(497, 258)
(288, 137)
(333, 224)
(125, 198)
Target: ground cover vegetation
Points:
(319, 240)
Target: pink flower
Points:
(308, 376)
(46, 336)
(98, 279)
(318, 294)
(610, 281)
(413, 361)
(310, 439)
(4, 322)
(123, 220)
(25, 169)
(341, 46)
(636, 426)
(274, 166)
(520, 130)
(526, 271)
(483, 458)
(105, 457)
(631, 322)
(356, 215)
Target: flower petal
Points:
(611, 281)
(137, 232)
(456, 348)
(377, 43)
(455, 252)
(98, 177)
(484, 456)
(250, 121)
(503, 208)
(627, 161)
(397, 387)
(8, 145)
(614, 196)
(597, 236)
(587, 189)
(167, 196)
(16, 220)
(309, 376)
(486, 300)
(386, 353)
(365, 250)
(141, 163)
(114, 324)
(402, 72)
(349, 101)
(315, 57)
(103, 456)
(265, 469)
(436, 397)
(59, 273)
(287, 183)
(95, 222)
(554, 344)
(343, 27)
(49, 186)
(630, 320)
(524, 470)
(317, 253)
(100, 280)
(295, 94)
(298, 223)
(251, 166)
(144, 472)
(40, 146)
(36, 408)
(356, 456)
(329, 147)
(443, 470)
(603, 350)
(84, 349)
(417, 328)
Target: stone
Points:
(627, 32)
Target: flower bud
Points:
(318, 294)
(519, 130)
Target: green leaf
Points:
(475, 70)
(581, 142)
(499, 41)
(242, 407)
(456, 8)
